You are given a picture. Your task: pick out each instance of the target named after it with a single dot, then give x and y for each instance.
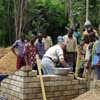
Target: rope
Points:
(41, 79)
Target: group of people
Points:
(28, 49)
(91, 52)
(63, 54)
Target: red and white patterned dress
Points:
(30, 55)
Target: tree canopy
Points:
(47, 16)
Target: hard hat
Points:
(60, 39)
(87, 23)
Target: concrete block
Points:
(76, 86)
(32, 73)
(75, 81)
(26, 68)
(21, 73)
(82, 91)
(84, 86)
(83, 81)
(75, 92)
(49, 77)
(35, 79)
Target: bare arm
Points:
(14, 52)
(62, 61)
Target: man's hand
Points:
(62, 61)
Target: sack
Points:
(95, 60)
(98, 48)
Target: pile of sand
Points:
(90, 95)
(8, 63)
(4, 51)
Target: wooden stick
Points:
(41, 79)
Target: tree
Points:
(19, 8)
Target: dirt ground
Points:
(7, 61)
(91, 95)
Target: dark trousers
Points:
(71, 58)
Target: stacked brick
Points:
(25, 85)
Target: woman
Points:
(30, 54)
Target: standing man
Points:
(40, 45)
(71, 48)
(19, 44)
(77, 35)
(53, 56)
(47, 41)
(89, 28)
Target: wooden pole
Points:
(66, 9)
(87, 10)
(71, 16)
(41, 79)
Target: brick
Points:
(51, 89)
(26, 68)
(50, 94)
(32, 73)
(21, 73)
(63, 88)
(75, 92)
(51, 83)
(82, 91)
(76, 87)
(49, 77)
(35, 79)
(27, 79)
(82, 81)
(10, 76)
(75, 81)
(83, 86)
(4, 85)
(67, 92)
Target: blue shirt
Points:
(20, 46)
(40, 47)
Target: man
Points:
(53, 55)
(47, 41)
(77, 35)
(71, 48)
(40, 45)
(88, 29)
(19, 44)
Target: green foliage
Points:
(47, 15)
(6, 18)
(44, 16)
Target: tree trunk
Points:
(19, 7)
(87, 10)
(68, 12)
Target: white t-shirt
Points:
(55, 52)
